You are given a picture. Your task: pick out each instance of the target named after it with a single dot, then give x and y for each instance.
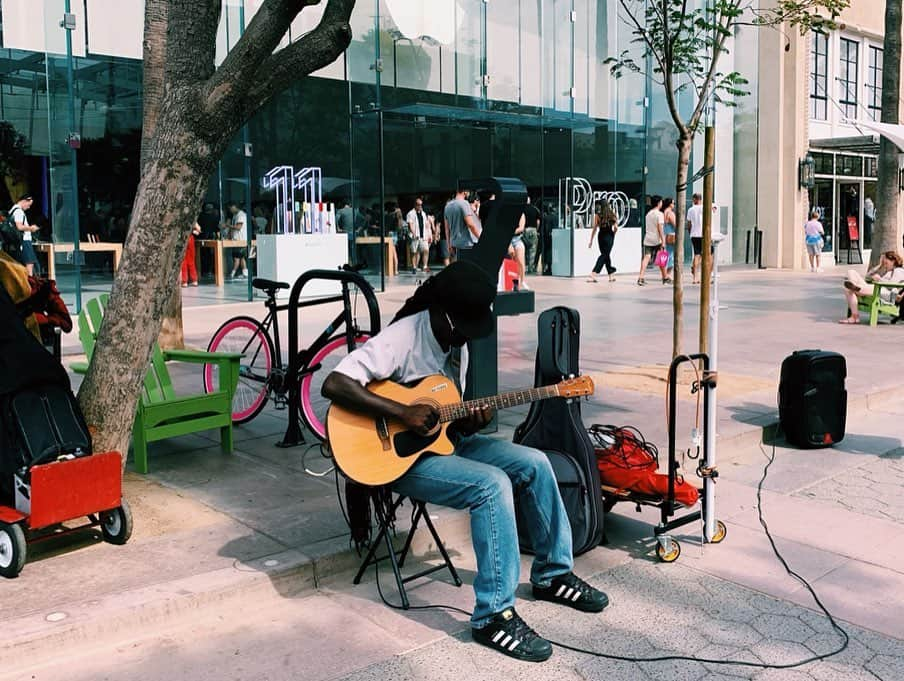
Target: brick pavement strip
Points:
(665, 610)
(873, 489)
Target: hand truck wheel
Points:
(116, 525)
(720, 533)
(12, 550)
(670, 554)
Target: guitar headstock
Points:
(579, 386)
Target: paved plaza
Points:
(240, 565)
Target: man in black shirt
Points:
(209, 222)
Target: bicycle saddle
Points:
(268, 285)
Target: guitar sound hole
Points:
(408, 443)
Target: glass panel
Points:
(848, 77)
(849, 165)
(825, 163)
(874, 83)
(531, 51)
(848, 213)
(819, 74)
(367, 194)
(745, 159)
(468, 47)
(821, 200)
(582, 44)
(557, 55)
(362, 55)
(503, 51)
(871, 168)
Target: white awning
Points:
(893, 133)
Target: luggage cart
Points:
(58, 492)
(667, 548)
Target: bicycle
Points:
(262, 373)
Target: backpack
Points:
(10, 237)
(555, 427)
(39, 417)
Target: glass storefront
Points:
(845, 198)
(509, 88)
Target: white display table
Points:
(572, 258)
(285, 257)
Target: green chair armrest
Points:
(79, 367)
(200, 356)
(888, 284)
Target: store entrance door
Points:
(849, 222)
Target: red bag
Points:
(628, 462)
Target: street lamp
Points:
(806, 172)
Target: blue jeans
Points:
(483, 476)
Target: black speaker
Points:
(812, 400)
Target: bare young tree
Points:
(885, 229)
(191, 110)
(683, 42)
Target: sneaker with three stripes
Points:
(508, 634)
(571, 590)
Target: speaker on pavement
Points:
(812, 400)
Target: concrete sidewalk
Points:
(214, 531)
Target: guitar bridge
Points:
(383, 434)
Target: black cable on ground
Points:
(688, 658)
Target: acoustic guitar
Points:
(376, 451)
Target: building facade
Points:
(419, 101)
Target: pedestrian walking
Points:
(531, 236)
(605, 225)
(670, 231)
(189, 267)
(695, 226)
(238, 231)
(420, 235)
(653, 240)
(814, 235)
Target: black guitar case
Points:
(555, 427)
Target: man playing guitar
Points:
(428, 336)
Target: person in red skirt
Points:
(189, 269)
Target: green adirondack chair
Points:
(874, 305)
(162, 414)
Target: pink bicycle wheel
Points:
(243, 335)
(313, 405)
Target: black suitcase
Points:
(555, 427)
(812, 400)
(43, 423)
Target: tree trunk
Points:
(172, 334)
(168, 197)
(684, 156)
(885, 229)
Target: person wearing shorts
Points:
(814, 234)
(17, 217)
(695, 228)
(654, 238)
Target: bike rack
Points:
(294, 436)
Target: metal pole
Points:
(68, 24)
(709, 488)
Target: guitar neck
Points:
(452, 412)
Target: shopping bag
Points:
(662, 258)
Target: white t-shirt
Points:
(404, 352)
(695, 217)
(414, 227)
(240, 233)
(17, 214)
(655, 218)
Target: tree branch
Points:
(312, 51)
(155, 21)
(642, 32)
(243, 64)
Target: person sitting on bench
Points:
(429, 336)
(855, 287)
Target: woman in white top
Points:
(890, 268)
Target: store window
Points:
(847, 77)
(874, 83)
(825, 163)
(819, 77)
